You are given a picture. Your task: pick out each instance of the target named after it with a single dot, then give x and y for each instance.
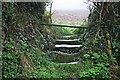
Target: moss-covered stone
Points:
(63, 57)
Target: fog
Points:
(69, 5)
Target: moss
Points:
(62, 57)
(56, 70)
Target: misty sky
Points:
(69, 5)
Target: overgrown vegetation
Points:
(22, 35)
(102, 35)
(26, 43)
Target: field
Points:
(72, 17)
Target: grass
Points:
(55, 70)
(49, 69)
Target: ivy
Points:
(97, 72)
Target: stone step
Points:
(71, 62)
(60, 57)
(73, 41)
(66, 36)
(69, 36)
(68, 40)
(67, 46)
(70, 49)
(62, 53)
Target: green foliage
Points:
(116, 45)
(104, 57)
(86, 56)
(107, 60)
(66, 30)
(80, 32)
(56, 70)
(10, 60)
(45, 69)
(24, 39)
(99, 68)
(63, 31)
(8, 45)
(97, 72)
(95, 56)
(33, 44)
(8, 56)
(95, 41)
